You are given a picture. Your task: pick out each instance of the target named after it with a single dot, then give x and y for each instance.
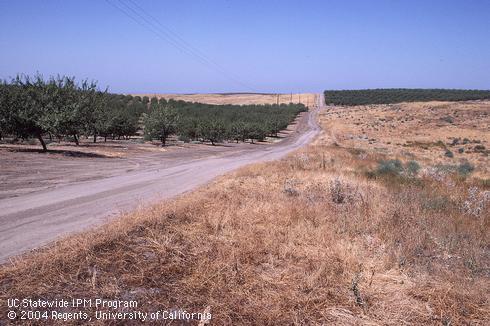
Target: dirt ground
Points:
(308, 99)
(25, 169)
(48, 195)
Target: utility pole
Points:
(291, 98)
(277, 99)
(299, 98)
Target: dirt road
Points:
(35, 219)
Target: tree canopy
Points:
(34, 107)
(398, 95)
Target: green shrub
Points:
(448, 119)
(394, 174)
(465, 168)
(437, 203)
(412, 168)
(440, 143)
(449, 154)
(393, 167)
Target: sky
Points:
(249, 46)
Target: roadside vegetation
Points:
(398, 95)
(59, 108)
(345, 231)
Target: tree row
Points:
(398, 95)
(216, 123)
(59, 108)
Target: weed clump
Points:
(437, 203)
(395, 169)
(301, 161)
(465, 168)
(412, 167)
(341, 191)
(449, 154)
(479, 148)
(440, 143)
(290, 188)
(448, 119)
(476, 203)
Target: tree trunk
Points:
(95, 137)
(43, 144)
(164, 140)
(76, 139)
(105, 138)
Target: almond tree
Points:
(161, 122)
(26, 102)
(212, 130)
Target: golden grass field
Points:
(323, 236)
(422, 130)
(308, 99)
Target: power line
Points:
(172, 33)
(155, 29)
(147, 26)
(182, 44)
(167, 35)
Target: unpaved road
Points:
(35, 219)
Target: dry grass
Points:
(310, 239)
(241, 98)
(422, 130)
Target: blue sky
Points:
(268, 46)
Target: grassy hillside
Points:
(398, 95)
(308, 99)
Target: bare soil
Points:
(46, 195)
(26, 169)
